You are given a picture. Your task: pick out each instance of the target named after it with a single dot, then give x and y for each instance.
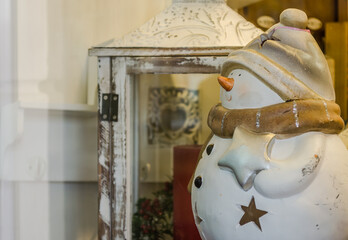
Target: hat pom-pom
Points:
(292, 17)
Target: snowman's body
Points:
(302, 193)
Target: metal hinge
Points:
(109, 109)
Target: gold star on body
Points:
(252, 214)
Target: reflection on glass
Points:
(170, 113)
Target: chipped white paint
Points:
(143, 66)
(191, 24)
(121, 159)
(104, 76)
(206, 64)
(102, 159)
(104, 81)
(131, 152)
(104, 50)
(104, 209)
(201, 61)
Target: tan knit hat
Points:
(287, 59)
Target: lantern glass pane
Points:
(170, 127)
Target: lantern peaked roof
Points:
(189, 24)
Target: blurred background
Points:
(48, 98)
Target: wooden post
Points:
(104, 160)
(114, 153)
(336, 47)
(342, 10)
(121, 152)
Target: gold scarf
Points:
(292, 117)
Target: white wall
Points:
(55, 187)
(54, 36)
(7, 98)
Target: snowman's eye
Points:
(198, 182)
(210, 148)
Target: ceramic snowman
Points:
(274, 167)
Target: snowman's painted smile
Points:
(228, 97)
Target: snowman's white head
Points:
(241, 89)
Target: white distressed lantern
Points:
(189, 37)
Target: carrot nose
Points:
(226, 83)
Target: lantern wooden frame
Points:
(117, 150)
